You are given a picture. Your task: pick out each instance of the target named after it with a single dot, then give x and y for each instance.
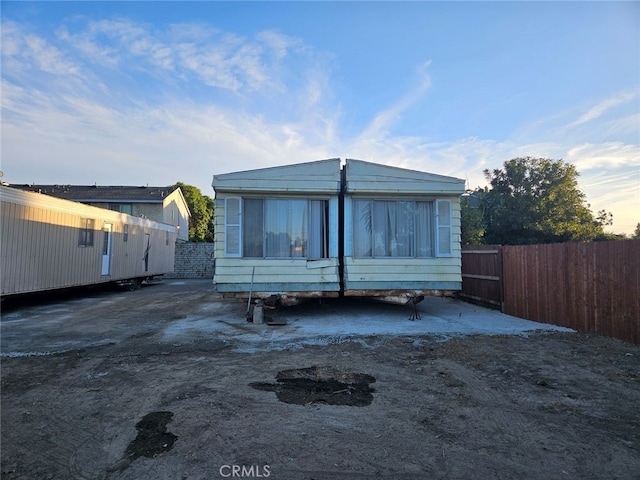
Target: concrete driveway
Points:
(183, 312)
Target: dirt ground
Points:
(94, 388)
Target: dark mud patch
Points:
(321, 384)
(153, 437)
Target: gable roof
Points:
(100, 193)
(322, 176)
(367, 177)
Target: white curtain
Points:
(286, 226)
(424, 229)
(318, 230)
(253, 228)
(393, 228)
(405, 230)
(362, 228)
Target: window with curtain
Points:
(400, 228)
(278, 228)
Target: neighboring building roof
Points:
(100, 193)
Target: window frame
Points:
(122, 208)
(86, 233)
(436, 227)
(235, 226)
(323, 229)
(442, 225)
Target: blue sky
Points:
(153, 93)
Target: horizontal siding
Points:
(398, 288)
(399, 277)
(383, 186)
(218, 226)
(238, 275)
(279, 288)
(266, 263)
(402, 270)
(238, 270)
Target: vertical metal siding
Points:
(39, 245)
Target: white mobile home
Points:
(277, 231)
(316, 229)
(47, 243)
(401, 232)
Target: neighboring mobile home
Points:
(316, 229)
(161, 204)
(47, 243)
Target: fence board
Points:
(585, 286)
(482, 274)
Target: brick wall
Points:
(193, 260)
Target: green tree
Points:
(636, 233)
(472, 218)
(537, 200)
(201, 208)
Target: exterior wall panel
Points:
(402, 271)
(234, 274)
(39, 244)
(366, 180)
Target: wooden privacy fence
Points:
(585, 286)
(482, 274)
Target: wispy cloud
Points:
(610, 119)
(600, 108)
(46, 57)
(184, 52)
(588, 156)
(379, 128)
(75, 109)
(23, 51)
